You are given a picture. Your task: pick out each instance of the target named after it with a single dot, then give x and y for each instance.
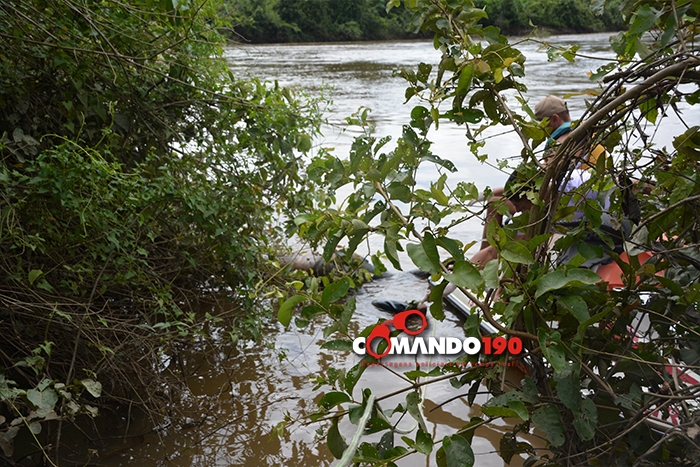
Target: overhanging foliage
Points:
(596, 375)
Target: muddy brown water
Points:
(243, 392)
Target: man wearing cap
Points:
(556, 111)
(559, 121)
(524, 178)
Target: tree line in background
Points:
(315, 20)
(564, 16)
(261, 21)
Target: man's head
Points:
(554, 108)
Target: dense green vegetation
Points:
(316, 20)
(604, 366)
(137, 178)
(561, 16)
(336, 20)
(140, 184)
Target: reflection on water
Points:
(239, 395)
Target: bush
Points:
(138, 179)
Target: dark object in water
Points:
(420, 274)
(396, 306)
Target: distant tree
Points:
(316, 20)
(519, 16)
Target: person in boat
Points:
(556, 112)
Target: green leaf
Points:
(451, 246)
(465, 78)
(455, 452)
(430, 247)
(332, 243)
(335, 291)
(465, 274)
(575, 305)
(424, 442)
(490, 273)
(498, 411)
(331, 399)
(93, 387)
(440, 197)
(435, 297)
(346, 315)
(354, 373)
(559, 279)
(35, 427)
(516, 252)
(284, 315)
(392, 245)
(569, 388)
(519, 408)
(589, 251)
(473, 392)
(415, 374)
(464, 114)
(44, 285)
(633, 400)
(329, 330)
(375, 425)
(385, 443)
(552, 348)
(472, 326)
(43, 400)
(509, 447)
(547, 419)
(309, 311)
(412, 405)
(34, 274)
(304, 218)
(336, 442)
(304, 143)
(301, 323)
(338, 345)
(586, 420)
(425, 261)
(643, 20)
(430, 157)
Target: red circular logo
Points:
(382, 330)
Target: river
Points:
(244, 391)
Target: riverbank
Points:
(296, 21)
